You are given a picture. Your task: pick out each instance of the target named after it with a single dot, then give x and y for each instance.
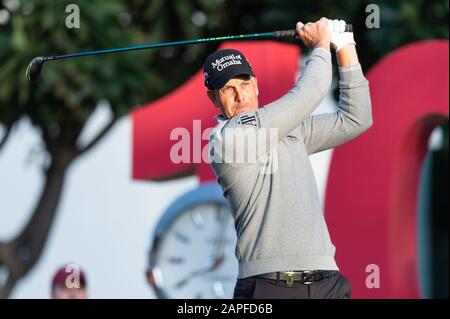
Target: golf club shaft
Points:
(34, 69)
(274, 34)
(167, 44)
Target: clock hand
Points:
(218, 251)
(203, 268)
(217, 262)
(217, 255)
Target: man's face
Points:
(61, 292)
(238, 95)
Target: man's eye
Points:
(227, 90)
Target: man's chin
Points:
(242, 110)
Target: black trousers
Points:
(334, 287)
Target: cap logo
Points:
(226, 61)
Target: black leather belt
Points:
(304, 277)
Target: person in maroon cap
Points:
(69, 282)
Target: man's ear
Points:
(211, 96)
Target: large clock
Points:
(192, 248)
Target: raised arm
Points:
(354, 114)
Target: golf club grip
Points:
(293, 33)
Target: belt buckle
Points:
(302, 277)
(289, 278)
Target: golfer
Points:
(283, 246)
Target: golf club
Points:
(36, 65)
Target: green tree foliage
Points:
(68, 92)
(60, 103)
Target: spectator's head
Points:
(69, 282)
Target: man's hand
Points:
(315, 34)
(339, 38)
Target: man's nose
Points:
(239, 96)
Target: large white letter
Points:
(73, 19)
(374, 15)
(184, 145)
(373, 280)
(73, 280)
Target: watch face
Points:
(194, 257)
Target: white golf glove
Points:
(339, 38)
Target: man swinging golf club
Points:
(283, 246)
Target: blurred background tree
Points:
(60, 103)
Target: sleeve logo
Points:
(248, 120)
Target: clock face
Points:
(194, 257)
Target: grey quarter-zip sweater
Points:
(261, 160)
